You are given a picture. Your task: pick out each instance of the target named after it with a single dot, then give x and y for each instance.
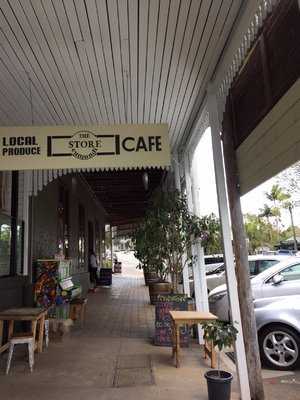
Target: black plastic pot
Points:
(218, 384)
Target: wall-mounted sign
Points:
(59, 147)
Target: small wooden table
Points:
(35, 315)
(180, 318)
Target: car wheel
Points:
(279, 347)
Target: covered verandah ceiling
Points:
(101, 62)
(89, 62)
(123, 193)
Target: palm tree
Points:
(289, 205)
(277, 196)
(267, 212)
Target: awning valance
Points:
(104, 147)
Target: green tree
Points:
(289, 205)
(168, 232)
(267, 212)
(288, 233)
(260, 233)
(277, 196)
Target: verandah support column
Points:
(240, 354)
(203, 293)
(185, 272)
(244, 301)
(197, 251)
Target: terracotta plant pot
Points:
(158, 288)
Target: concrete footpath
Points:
(112, 356)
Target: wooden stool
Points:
(21, 338)
(78, 309)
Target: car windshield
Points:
(217, 270)
(255, 267)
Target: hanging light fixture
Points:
(146, 180)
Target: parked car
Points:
(212, 262)
(257, 264)
(278, 326)
(271, 289)
(212, 268)
(217, 276)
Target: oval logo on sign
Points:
(84, 145)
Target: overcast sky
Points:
(252, 202)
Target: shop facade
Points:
(64, 217)
(228, 101)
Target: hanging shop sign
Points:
(59, 147)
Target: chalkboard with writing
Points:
(163, 327)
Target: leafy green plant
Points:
(167, 234)
(147, 248)
(106, 264)
(221, 334)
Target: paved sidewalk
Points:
(112, 357)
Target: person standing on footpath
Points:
(93, 267)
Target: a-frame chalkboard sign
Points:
(163, 330)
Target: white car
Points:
(257, 264)
(282, 279)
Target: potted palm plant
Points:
(221, 334)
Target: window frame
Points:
(14, 223)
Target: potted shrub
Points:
(171, 232)
(147, 250)
(221, 334)
(163, 242)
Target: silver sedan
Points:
(270, 288)
(278, 326)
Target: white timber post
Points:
(200, 263)
(185, 272)
(240, 354)
(195, 248)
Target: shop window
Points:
(5, 245)
(81, 237)
(97, 241)
(5, 192)
(63, 221)
(20, 247)
(11, 229)
(11, 254)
